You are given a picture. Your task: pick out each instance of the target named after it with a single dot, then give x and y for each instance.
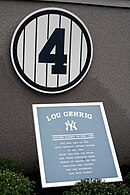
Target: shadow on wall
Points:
(18, 98)
(119, 122)
(91, 90)
(117, 118)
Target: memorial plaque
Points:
(74, 143)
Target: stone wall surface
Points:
(107, 81)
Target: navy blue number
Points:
(59, 58)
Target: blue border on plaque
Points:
(75, 143)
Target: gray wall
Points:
(108, 79)
(116, 3)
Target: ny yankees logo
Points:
(71, 125)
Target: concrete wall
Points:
(108, 79)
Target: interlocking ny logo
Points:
(71, 125)
(51, 50)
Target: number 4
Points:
(59, 58)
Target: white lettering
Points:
(65, 114)
(69, 114)
(53, 116)
(77, 114)
(49, 119)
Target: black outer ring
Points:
(16, 61)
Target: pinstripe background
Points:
(32, 39)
